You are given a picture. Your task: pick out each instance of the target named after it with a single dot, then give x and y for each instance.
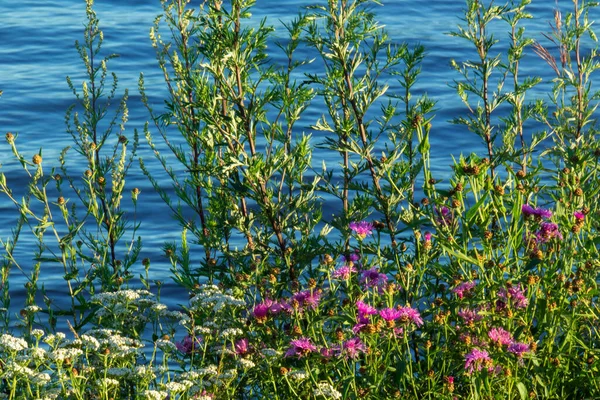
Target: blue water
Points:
(37, 53)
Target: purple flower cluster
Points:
(444, 216)
(268, 308)
(373, 278)
(539, 213)
(405, 314)
(188, 344)
(513, 295)
(300, 348)
(307, 299)
(463, 289)
(344, 272)
(476, 360)
(362, 229)
(501, 337)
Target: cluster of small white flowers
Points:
(36, 353)
(210, 370)
(15, 370)
(229, 374)
(159, 308)
(231, 333)
(326, 390)
(33, 309)
(107, 382)
(268, 352)
(297, 375)
(9, 342)
(60, 355)
(88, 342)
(175, 316)
(38, 333)
(211, 295)
(176, 387)
(54, 339)
(165, 345)
(121, 345)
(41, 378)
(155, 395)
(144, 371)
(247, 364)
(222, 351)
(203, 330)
(120, 296)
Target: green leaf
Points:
(522, 391)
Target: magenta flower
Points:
(351, 258)
(409, 314)
(469, 316)
(514, 295)
(372, 278)
(444, 216)
(427, 236)
(548, 230)
(188, 345)
(362, 229)
(241, 347)
(352, 348)
(390, 314)
(308, 298)
(540, 213)
(500, 336)
(476, 359)
(300, 347)
(518, 349)
(344, 272)
(365, 309)
(463, 289)
(579, 216)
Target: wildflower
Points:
(351, 258)
(469, 316)
(548, 231)
(513, 294)
(308, 298)
(362, 229)
(539, 213)
(389, 314)
(155, 395)
(372, 278)
(326, 390)
(409, 314)
(298, 375)
(231, 332)
(352, 348)
(579, 216)
(300, 347)
(268, 352)
(241, 347)
(500, 336)
(12, 343)
(344, 272)
(476, 359)
(365, 309)
(444, 216)
(518, 348)
(246, 364)
(463, 289)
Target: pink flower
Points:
(518, 349)
(500, 336)
(390, 314)
(241, 347)
(362, 229)
(365, 309)
(308, 298)
(539, 213)
(188, 345)
(514, 294)
(409, 314)
(427, 236)
(344, 272)
(463, 289)
(579, 216)
(300, 347)
(372, 278)
(352, 348)
(476, 359)
(469, 316)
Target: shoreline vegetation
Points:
(483, 285)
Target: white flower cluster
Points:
(12, 343)
(231, 333)
(270, 352)
(325, 389)
(297, 375)
(155, 395)
(212, 296)
(62, 354)
(246, 364)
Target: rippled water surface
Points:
(37, 53)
